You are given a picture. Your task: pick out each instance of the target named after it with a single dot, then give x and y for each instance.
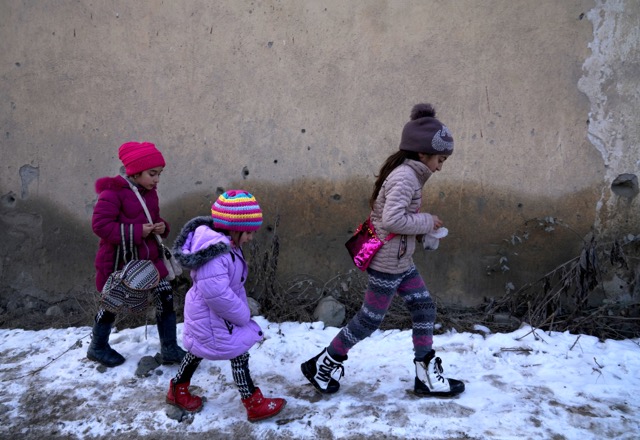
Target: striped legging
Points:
(381, 289)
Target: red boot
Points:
(179, 396)
(260, 407)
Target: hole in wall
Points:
(8, 200)
(625, 185)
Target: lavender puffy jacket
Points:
(217, 319)
(117, 204)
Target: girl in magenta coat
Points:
(117, 204)
(119, 216)
(217, 318)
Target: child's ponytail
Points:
(392, 162)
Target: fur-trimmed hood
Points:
(197, 243)
(113, 183)
(117, 183)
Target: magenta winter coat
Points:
(117, 204)
(217, 319)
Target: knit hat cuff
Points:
(154, 160)
(427, 135)
(236, 210)
(137, 157)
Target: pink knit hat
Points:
(139, 156)
(236, 210)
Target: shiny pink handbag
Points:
(364, 244)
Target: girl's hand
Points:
(159, 228)
(147, 229)
(437, 223)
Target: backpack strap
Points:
(128, 250)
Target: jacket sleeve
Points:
(214, 283)
(395, 217)
(104, 221)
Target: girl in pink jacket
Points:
(118, 217)
(425, 145)
(217, 319)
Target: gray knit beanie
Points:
(425, 134)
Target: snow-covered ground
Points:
(521, 385)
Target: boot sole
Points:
(183, 408)
(456, 390)
(257, 419)
(95, 359)
(309, 375)
(436, 395)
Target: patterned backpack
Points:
(129, 289)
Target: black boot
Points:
(170, 352)
(429, 381)
(100, 350)
(319, 370)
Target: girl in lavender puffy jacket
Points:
(217, 319)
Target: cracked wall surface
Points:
(611, 81)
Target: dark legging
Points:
(163, 300)
(380, 292)
(239, 369)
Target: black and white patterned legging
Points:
(239, 369)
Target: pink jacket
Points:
(217, 318)
(117, 204)
(396, 210)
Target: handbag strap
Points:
(144, 207)
(373, 231)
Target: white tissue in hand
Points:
(431, 241)
(439, 233)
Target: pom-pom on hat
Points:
(139, 156)
(236, 210)
(425, 134)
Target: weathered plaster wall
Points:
(611, 81)
(300, 102)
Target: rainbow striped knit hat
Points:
(236, 210)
